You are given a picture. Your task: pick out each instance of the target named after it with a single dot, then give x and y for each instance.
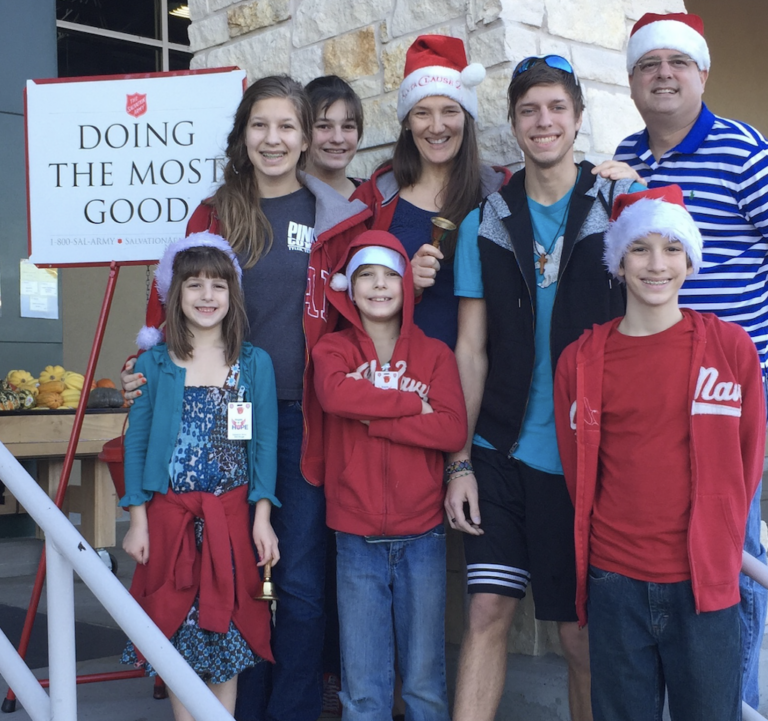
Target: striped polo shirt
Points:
(722, 167)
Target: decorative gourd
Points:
(9, 401)
(105, 398)
(26, 398)
(73, 381)
(21, 378)
(70, 397)
(48, 399)
(51, 373)
(51, 387)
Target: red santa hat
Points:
(637, 215)
(437, 65)
(676, 31)
(150, 335)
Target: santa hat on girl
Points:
(676, 31)
(437, 65)
(637, 215)
(150, 335)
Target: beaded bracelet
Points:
(454, 476)
(456, 466)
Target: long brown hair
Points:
(204, 262)
(241, 218)
(463, 192)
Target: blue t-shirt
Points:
(537, 443)
(437, 312)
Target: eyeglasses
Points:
(676, 64)
(554, 61)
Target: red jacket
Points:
(727, 445)
(381, 193)
(386, 478)
(167, 585)
(337, 223)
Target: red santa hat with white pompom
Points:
(656, 210)
(683, 32)
(437, 65)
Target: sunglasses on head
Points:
(554, 61)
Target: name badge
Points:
(385, 379)
(239, 421)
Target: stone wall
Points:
(364, 41)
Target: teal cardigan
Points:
(155, 419)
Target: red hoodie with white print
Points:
(386, 478)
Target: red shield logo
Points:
(136, 104)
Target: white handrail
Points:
(749, 714)
(23, 682)
(72, 551)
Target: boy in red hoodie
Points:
(392, 405)
(660, 421)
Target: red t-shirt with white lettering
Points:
(643, 495)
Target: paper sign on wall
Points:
(39, 291)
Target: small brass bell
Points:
(441, 227)
(267, 587)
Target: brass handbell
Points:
(440, 229)
(267, 587)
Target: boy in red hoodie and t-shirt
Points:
(660, 421)
(392, 404)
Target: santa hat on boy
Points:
(150, 335)
(659, 210)
(369, 255)
(683, 32)
(437, 65)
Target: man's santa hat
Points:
(637, 215)
(437, 65)
(683, 32)
(150, 335)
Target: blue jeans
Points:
(392, 591)
(292, 689)
(752, 608)
(644, 637)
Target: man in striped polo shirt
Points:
(722, 166)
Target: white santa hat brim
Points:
(648, 216)
(370, 255)
(436, 80)
(164, 270)
(667, 35)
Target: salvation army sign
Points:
(116, 165)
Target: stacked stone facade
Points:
(364, 42)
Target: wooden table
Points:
(44, 435)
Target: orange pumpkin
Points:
(104, 383)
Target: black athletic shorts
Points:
(527, 517)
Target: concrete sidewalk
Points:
(536, 687)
